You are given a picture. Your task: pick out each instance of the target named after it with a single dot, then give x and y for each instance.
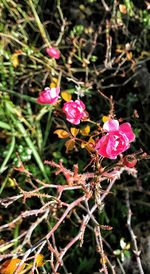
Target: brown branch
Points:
(79, 236)
(99, 242)
(69, 208)
(133, 236)
(111, 102)
(105, 5)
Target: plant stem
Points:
(133, 236)
(39, 24)
(48, 126)
(12, 145)
(22, 130)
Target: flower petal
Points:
(101, 146)
(111, 125)
(110, 148)
(80, 104)
(48, 96)
(55, 92)
(127, 130)
(74, 111)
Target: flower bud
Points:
(48, 96)
(53, 52)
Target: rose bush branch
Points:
(133, 236)
(100, 249)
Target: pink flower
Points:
(53, 52)
(117, 139)
(48, 96)
(75, 111)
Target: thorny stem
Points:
(69, 208)
(108, 189)
(27, 254)
(79, 183)
(111, 102)
(38, 252)
(99, 242)
(133, 236)
(108, 61)
(79, 236)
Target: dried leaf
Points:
(66, 96)
(129, 55)
(54, 83)
(39, 260)
(90, 146)
(105, 119)
(61, 133)
(83, 145)
(9, 266)
(69, 145)
(55, 80)
(103, 260)
(123, 9)
(74, 131)
(11, 182)
(15, 60)
(85, 131)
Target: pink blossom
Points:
(48, 96)
(53, 52)
(75, 111)
(117, 139)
